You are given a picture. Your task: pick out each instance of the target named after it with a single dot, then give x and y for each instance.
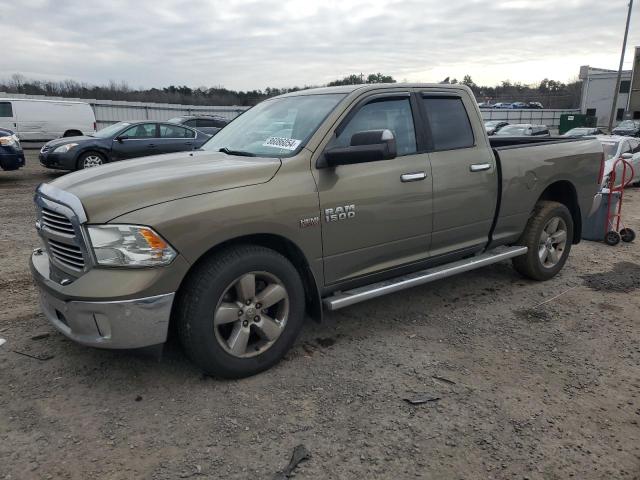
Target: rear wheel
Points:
(240, 311)
(612, 238)
(627, 235)
(90, 160)
(548, 236)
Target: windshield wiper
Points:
(236, 152)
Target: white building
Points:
(598, 85)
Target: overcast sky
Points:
(246, 44)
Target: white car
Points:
(43, 120)
(616, 147)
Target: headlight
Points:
(129, 246)
(8, 140)
(65, 148)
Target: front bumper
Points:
(11, 160)
(105, 319)
(136, 323)
(61, 161)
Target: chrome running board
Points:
(360, 294)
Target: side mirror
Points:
(366, 146)
(120, 138)
(627, 156)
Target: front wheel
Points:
(548, 236)
(240, 311)
(90, 160)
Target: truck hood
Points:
(112, 190)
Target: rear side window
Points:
(5, 109)
(174, 131)
(449, 122)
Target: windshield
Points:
(175, 120)
(111, 130)
(275, 128)
(610, 149)
(491, 123)
(513, 130)
(628, 124)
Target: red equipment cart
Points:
(612, 231)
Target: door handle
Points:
(413, 177)
(479, 167)
(151, 145)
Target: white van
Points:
(42, 120)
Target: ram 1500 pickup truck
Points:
(313, 200)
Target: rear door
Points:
(137, 141)
(7, 118)
(465, 185)
(175, 138)
(376, 215)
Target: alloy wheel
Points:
(91, 161)
(553, 241)
(251, 315)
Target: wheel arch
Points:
(285, 247)
(68, 132)
(563, 191)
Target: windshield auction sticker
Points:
(280, 142)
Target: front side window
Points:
(174, 131)
(144, 130)
(385, 114)
(449, 122)
(277, 127)
(5, 109)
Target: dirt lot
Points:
(533, 380)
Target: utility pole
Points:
(624, 46)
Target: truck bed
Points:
(528, 166)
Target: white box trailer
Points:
(42, 120)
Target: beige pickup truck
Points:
(313, 200)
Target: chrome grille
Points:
(69, 255)
(57, 222)
(60, 228)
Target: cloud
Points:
(253, 44)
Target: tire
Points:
(213, 292)
(72, 133)
(627, 235)
(612, 238)
(90, 159)
(545, 257)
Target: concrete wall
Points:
(111, 111)
(597, 92)
(546, 116)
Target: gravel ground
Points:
(527, 380)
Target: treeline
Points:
(551, 93)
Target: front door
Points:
(376, 215)
(465, 181)
(137, 141)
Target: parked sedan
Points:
(11, 154)
(627, 128)
(208, 124)
(524, 130)
(492, 126)
(616, 147)
(582, 132)
(121, 141)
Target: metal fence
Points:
(545, 116)
(111, 111)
